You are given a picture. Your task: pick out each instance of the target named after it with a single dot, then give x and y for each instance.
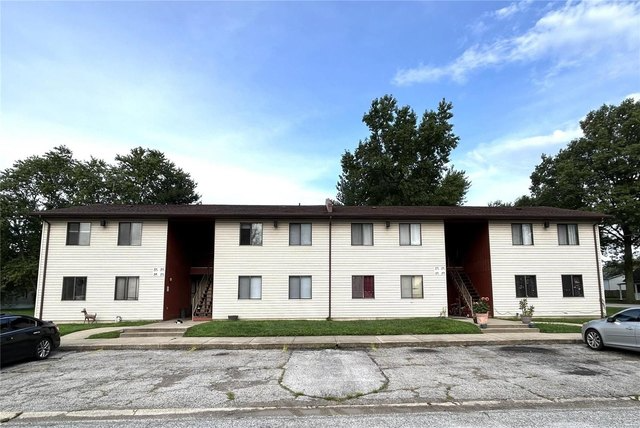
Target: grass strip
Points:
(246, 328)
(558, 328)
(72, 328)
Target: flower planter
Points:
(525, 319)
(482, 319)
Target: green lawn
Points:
(331, 328)
(558, 328)
(611, 310)
(28, 311)
(72, 328)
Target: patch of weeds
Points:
(193, 348)
(448, 395)
(231, 396)
(285, 348)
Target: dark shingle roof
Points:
(319, 211)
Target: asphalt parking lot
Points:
(210, 379)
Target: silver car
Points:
(621, 330)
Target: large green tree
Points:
(57, 180)
(600, 171)
(403, 161)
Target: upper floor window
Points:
(250, 287)
(411, 287)
(568, 234)
(361, 234)
(127, 287)
(78, 233)
(572, 286)
(299, 287)
(522, 234)
(74, 288)
(300, 234)
(410, 234)
(526, 286)
(129, 233)
(362, 287)
(250, 233)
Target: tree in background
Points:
(57, 180)
(600, 171)
(403, 162)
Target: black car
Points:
(25, 337)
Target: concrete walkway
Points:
(79, 341)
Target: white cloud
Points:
(573, 33)
(265, 177)
(501, 169)
(508, 11)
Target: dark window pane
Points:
(73, 233)
(567, 290)
(521, 289)
(532, 288)
(576, 281)
(356, 234)
(368, 287)
(294, 234)
(124, 234)
(516, 234)
(357, 287)
(245, 234)
(294, 287)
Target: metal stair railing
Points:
(203, 307)
(462, 288)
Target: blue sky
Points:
(258, 100)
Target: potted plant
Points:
(526, 311)
(481, 310)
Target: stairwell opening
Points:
(468, 265)
(189, 270)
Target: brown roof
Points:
(319, 211)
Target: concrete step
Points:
(510, 330)
(500, 325)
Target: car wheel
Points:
(594, 340)
(43, 348)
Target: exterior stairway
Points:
(464, 285)
(204, 299)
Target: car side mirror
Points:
(611, 319)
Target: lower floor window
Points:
(362, 287)
(572, 286)
(74, 288)
(526, 286)
(299, 287)
(127, 287)
(250, 287)
(411, 287)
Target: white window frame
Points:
(300, 287)
(82, 236)
(568, 234)
(249, 288)
(300, 234)
(411, 287)
(255, 233)
(362, 234)
(132, 237)
(519, 235)
(130, 288)
(410, 234)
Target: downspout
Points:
(44, 268)
(595, 245)
(330, 227)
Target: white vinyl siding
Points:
(275, 261)
(387, 262)
(547, 261)
(101, 263)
